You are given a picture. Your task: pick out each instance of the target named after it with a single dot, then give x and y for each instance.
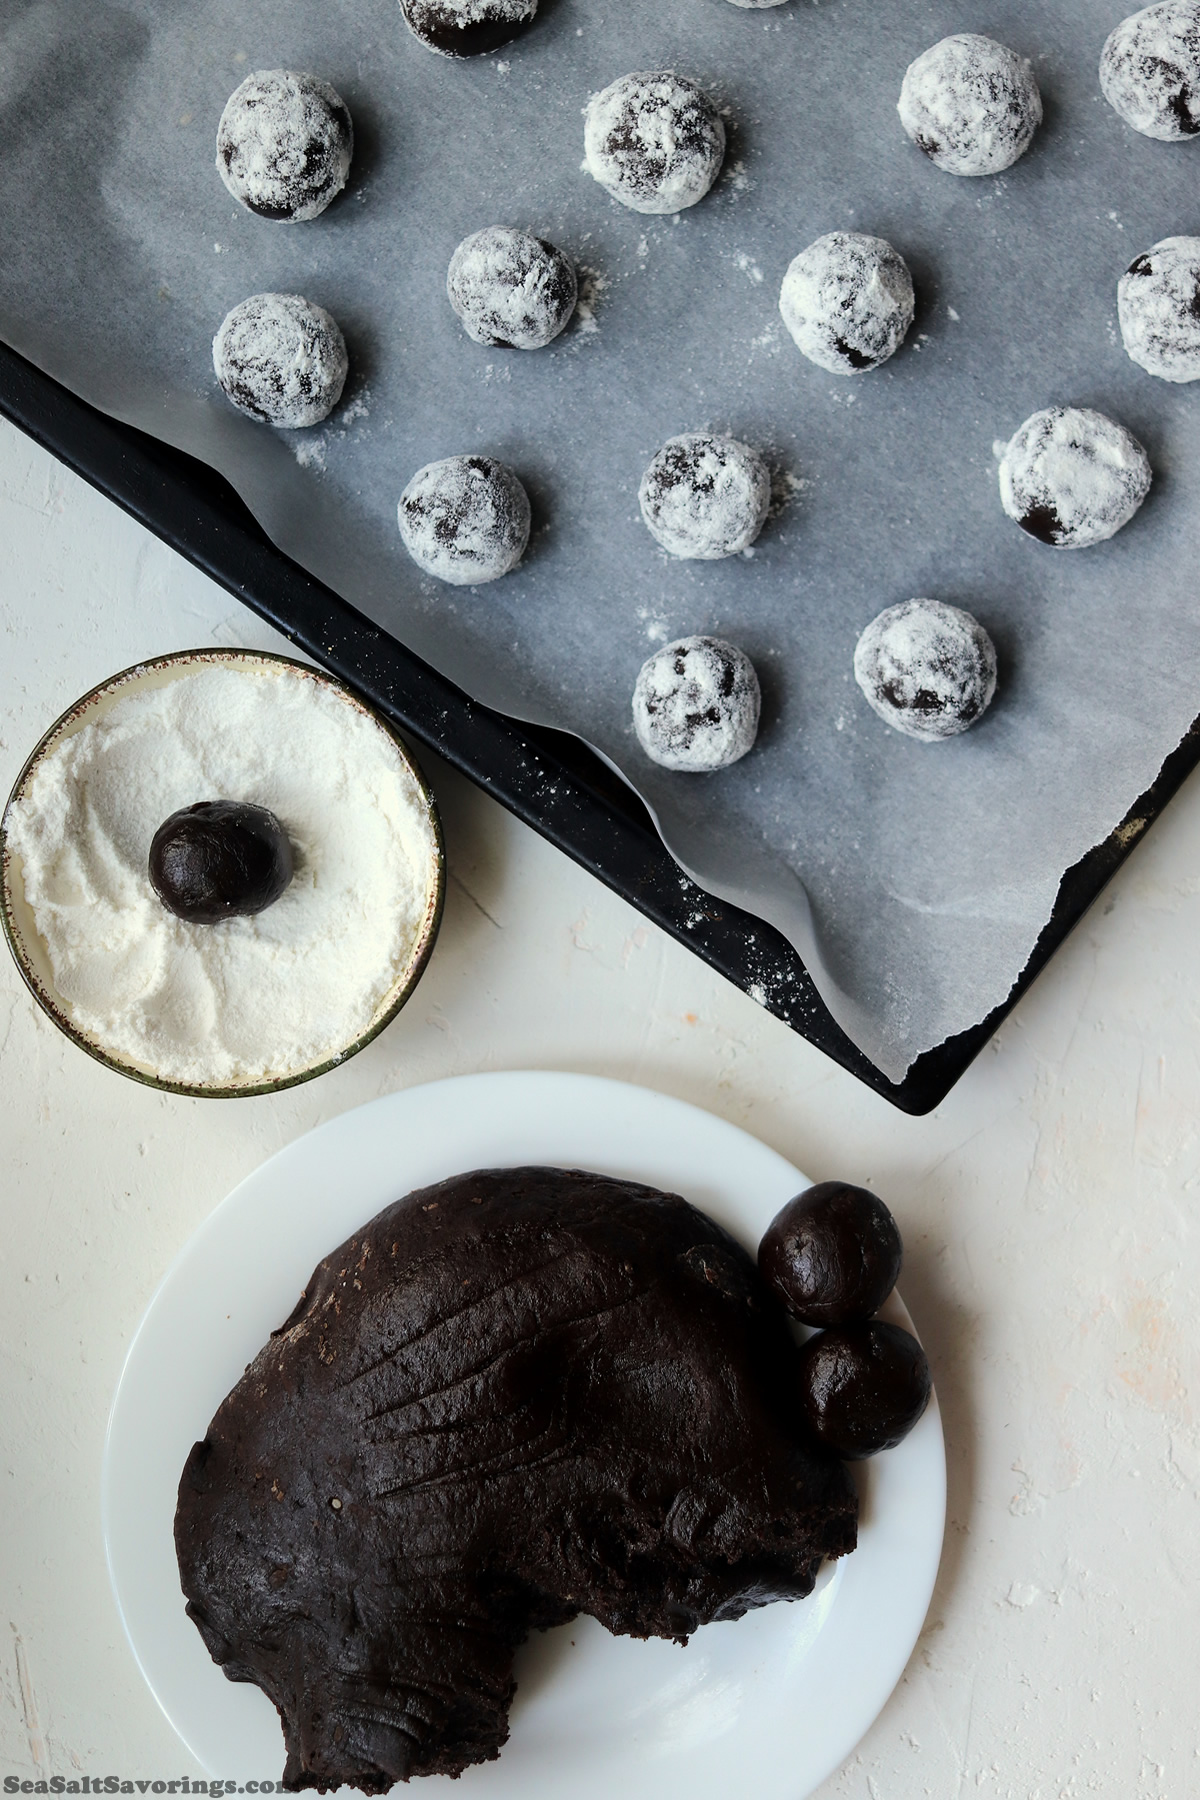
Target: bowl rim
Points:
(52, 1005)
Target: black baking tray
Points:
(547, 778)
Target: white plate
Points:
(770, 1704)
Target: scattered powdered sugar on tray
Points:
(254, 997)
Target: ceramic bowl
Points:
(31, 954)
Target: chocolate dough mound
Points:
(1158, 305)
(1073, 477)
(467, 27)
(970, 104)
(696, 705)
(848, 301)
(927, 669)
(512, 291)
(1150, 70)
(282, 359)
(517, 1396)
(284, 144)
(654, 140)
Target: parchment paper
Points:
(913, 879)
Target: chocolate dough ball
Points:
(1072, 477)
(970, 104)
(1150, 70)
(832, 1255)
(655, 141)
(705, 497)
(467, 27)
(511, 290)
(848, 301)
(863, 1387)
(465, 520)
(927, 669)
(281, 359)
(284, 144)
(219, 859)
(696, 705)
(1158, 304)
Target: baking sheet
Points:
(914, 879)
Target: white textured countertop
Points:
(1049, 1211)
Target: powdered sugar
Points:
(1158, 304)
(927, 669)
(284, 144)
(848, 301)
(465, 520)
(705, 497)
(1073, 477)
(1150, 70)
(282, 359)
(254, 997)
(696, 705)
(655, 141)
(510, 289)
(970, 104)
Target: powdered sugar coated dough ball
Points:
(511, 290)
(696, 705)
(654, 141)
(926, 668)
(281, 359)
(748, 3)
(1073, 477)
(465, 520)
(970, 104)
(705, 497)
(284, 145)
(467, 27)
(1158, 304)
(848, 302)
(1150, 70)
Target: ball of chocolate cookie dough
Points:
(510, 289)
(219, 859)
(696, 705)
(284, 144)
(467, 27)
(927, 669)
(1158, 305)
(863, 1387)
(1073, 477)
(1150, 70)
(832, 1255)
(281, 359)
(465, 520)
(655, 141)
(970, 104)
(848, 301)
(705, 497)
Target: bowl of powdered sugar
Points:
(269, 993)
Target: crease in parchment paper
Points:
(913, 879)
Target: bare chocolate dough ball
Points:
(863, 1387)
(219, 859)
(832, 1255)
